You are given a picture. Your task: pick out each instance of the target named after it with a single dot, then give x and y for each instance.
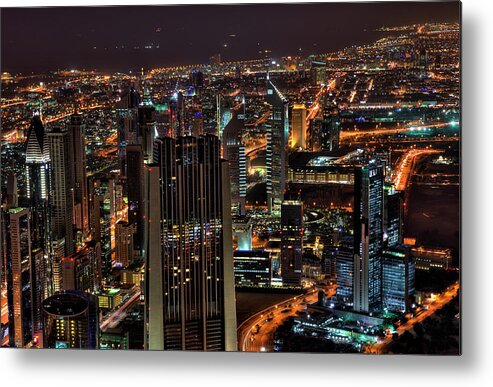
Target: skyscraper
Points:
(277, 128)
(17, 251)
(124, 243)
(38, 183)
(189, 276)
(345, 269)
(77, 154)
(61, 200)
(291, 242)
(71, 320)
(330, 128)
(368, 238)
(398, 269)
(234, 152)
(135, 186)
(298, 126)
(392, 219)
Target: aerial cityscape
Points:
(213, 191)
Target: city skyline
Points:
(305, 202)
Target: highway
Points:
(346, 135)
(438, 302)
(256, 334)
(404, 169)
(117, 315)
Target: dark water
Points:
(433, 216)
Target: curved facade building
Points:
(71, 320)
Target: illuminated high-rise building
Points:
(17, 251)
(79, 271)
(124, 241)
(398, 272)
(135, 186)
(277, 129)
(234, 151)
(77, 154)
(368, 238)
(291, 242)
(298, 126)
(330, 127)
(103, 219)
(189, 291)
(38, 183)
(345, 269)
(61, 199)
(71, 320)
(392, 218)
(147, 131)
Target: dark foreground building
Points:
(189, 272)
(71, 320)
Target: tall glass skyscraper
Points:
(277, 131)
(368, 237)
(189, 289)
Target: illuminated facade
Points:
(17, 251)
(398, 274)
(298, 126)
(252, 268)
(291, 242)
(368, 238)
(61, 200)
(71, 321)
(277, 130)
(189, 275)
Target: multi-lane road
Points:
(117, 315)
(437, 303)
(256, 334)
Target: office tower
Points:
(103, 219)
(127, 123)
(344, 269)
(38, 183)
(135, 186)
(392, 215)
(146, 130)
(252, 268)
(124, 241)
(314, 133)
(233, 150)
(61, 199)
(189, 272)
(368, 238)
(224, 114)
(12, 191)
(71, 320)
(39, 287)
(298, 126)
(330, 128)
(77, 154)
(291, 242)
(79, 271)
(398, 269)
(177, 105)
(277, 128)
(17, 250)
(318, 73)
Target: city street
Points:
(260, 339)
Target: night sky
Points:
(40, 39)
